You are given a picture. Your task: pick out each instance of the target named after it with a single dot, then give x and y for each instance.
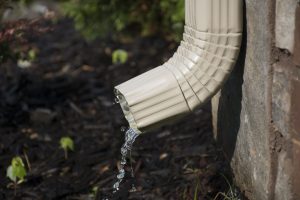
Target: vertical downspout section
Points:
(198, 69)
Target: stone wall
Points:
(256, 116)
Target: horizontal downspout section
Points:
(195, 73)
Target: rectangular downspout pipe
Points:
(195, 73)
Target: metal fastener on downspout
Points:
(199, 68)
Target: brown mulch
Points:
(68, 91)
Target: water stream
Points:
(130, 137)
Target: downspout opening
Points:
(126, 110)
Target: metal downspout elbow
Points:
(200, 66)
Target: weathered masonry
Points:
(256, 116)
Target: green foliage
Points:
(66, 143)
(196, 191)
(94, 192)
(231, 194)
(26, 59)
(32, 55)
(119, 56)
(16, 172)
(146, 17)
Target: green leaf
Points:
(16, 171)
(17, 161)
(10, 175)
(67, 143)
(20, 172)
(196, 191)
(32, 55)
(94, 191)
(119, 56)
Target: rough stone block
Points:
(256, 116)
(285, 24)
(297, 38)
(283, 187)
(295, 104)
(281, 99)
(296, 166)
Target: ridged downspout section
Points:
(198, 69)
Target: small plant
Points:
(16, 172)
(231, 194)
(12, 37)
(196, 191)
(94, 191)
(31, 55)
(67, 144)
(119, 56)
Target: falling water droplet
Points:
(117, 100)
(133, 189)
(124, 152)
(130, 137)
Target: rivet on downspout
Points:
(196, 72)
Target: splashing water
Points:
(117, 100)
(130, 137)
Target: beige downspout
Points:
(199, 68)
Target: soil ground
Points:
(68, 91)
